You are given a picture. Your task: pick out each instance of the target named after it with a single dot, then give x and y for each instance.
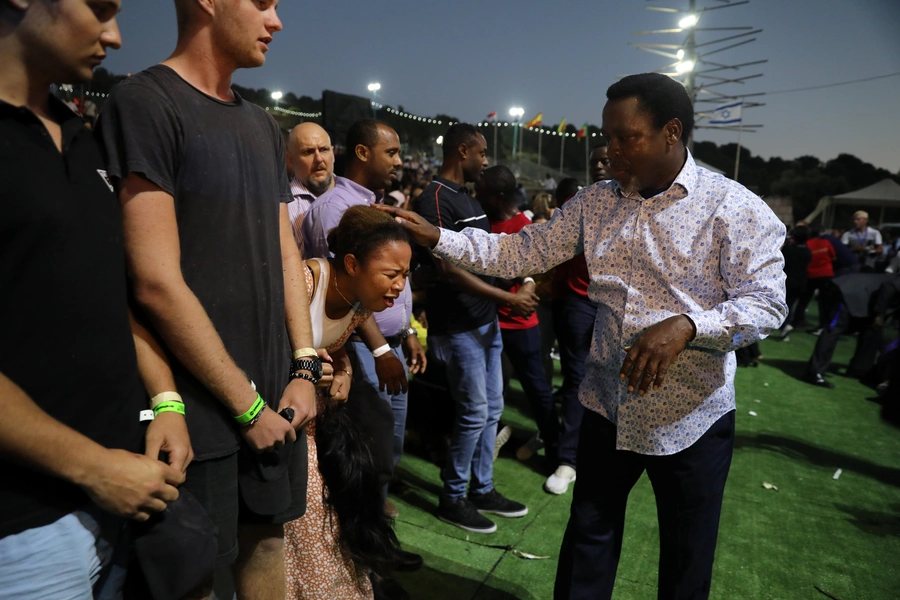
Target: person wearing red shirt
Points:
(495, 191)
(819, 272)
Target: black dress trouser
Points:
(688, 487)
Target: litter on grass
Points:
(528, 556)
(766, 384)
(769, 486)
(753, 413)
(757, 401)
(837, 474)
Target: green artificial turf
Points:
(815, 538)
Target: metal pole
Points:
(737, 156)
(690, 54)
(374, 96)
(540, 135)
(521, 137)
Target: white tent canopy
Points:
(885, 193)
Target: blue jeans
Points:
(476, 384)
(524, 349)
(573, 320)
(70, 559)
(382, 415)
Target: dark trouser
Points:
(688, 487)
(867, 344)
(573, 320)
(812, 284)
(523, 347)
(792, 299)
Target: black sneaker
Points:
(464, 515)
(495, 503)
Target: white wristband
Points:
(528, 280)
(381, 351)
(165, 397)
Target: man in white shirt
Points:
(864, 241)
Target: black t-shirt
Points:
(449, 205)
(65, 338)
(224, 164)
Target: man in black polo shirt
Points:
(202, 181)
(463, 332)
(69, 384)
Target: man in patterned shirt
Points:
(685, 267)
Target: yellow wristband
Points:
(301, 352)
(165, 397)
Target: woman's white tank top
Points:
(326, 331)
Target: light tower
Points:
(703, 76)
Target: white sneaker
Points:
(786, 330)
(502, 437)
(558, 483)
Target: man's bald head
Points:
(310, 154)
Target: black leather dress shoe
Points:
(408, 561)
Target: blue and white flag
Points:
(727, 114)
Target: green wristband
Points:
(249, 417)
(169, 406)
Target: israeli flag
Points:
(727, 114)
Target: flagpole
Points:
(540, 135)
(495, 143)
(587, 158)
(562, 147)
(737, 157)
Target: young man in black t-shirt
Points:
(463, 333)
(202, 181)
(69, 381)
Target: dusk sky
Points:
(467, 58)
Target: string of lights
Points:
(295, 113)
(407, 115)
(535, 129)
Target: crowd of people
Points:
(855, 277)
(210, 330)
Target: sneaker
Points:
(495, 503)
(558, 483)
(463, 514)
(530, 448)
(819, 381)
(554, 354)
(816, 332)
(502, 437)
(786, 330)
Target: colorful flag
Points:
(727, 114)
(582, 132)
(492, 116)
(562, 127)
(536, 121)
